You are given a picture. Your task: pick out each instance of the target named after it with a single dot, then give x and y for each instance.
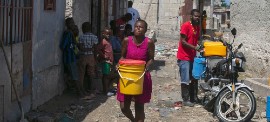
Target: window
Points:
(49, 5)
(15, 21)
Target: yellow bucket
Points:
(131, 76)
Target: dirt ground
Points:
(166, 90)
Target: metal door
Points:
(16, 31)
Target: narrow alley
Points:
(42, 44)
(166, 90)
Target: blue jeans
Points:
(185, 70)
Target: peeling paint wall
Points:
(252, 21)
(5, 85)
(9, 109)
(48, 28)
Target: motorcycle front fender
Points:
(210, 105)
(237, 86)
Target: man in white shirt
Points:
(135, 14)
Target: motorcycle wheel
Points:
(244, 109)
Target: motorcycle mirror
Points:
(239, 46)
(233, 31)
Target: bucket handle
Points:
(131, 78)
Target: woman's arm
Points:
(124, 48)
(151, 53)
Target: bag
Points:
(76, 49)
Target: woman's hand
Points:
(147, 66)
(116, 67)
(146, 69)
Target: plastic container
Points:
(106, 68)
(131, 76)
(199, 66)
(214, 49)
(268, 109)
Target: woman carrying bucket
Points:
(136, 57)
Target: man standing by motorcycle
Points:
(187, 48)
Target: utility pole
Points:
(158, 11)
(211, 15)
(195, 4)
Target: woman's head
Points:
(140, 28)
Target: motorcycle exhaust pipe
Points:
(219, 79)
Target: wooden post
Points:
(186, 9)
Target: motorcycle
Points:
(229, 99)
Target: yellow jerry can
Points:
(214, 49)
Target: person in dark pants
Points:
(190, 32)
(68, 46)
(87, 60)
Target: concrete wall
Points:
(46, 72)
(9, 109)
(162, 15)
(5, 87)
(148, 10)
(81, 12)
(47, 60)
(252, 21)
